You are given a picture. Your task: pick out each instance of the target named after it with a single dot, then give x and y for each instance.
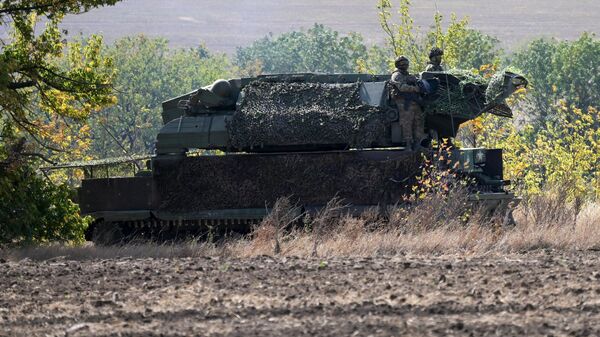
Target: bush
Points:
(33, 210)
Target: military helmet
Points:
(401, 59)
(435, 51)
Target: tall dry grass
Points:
(437, 225)
(440, 225)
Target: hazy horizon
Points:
(223, 26)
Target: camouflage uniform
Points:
(434, 67)
(412, 119)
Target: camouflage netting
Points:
(296, 114)
(257, 180)
(453, 101)
(495, 88)
(467, 76)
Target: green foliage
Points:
(322, 265)
(318, 49)
(33, 210)
(464, 47)
(50, 8)
(148, 72)
(560, 70)
(555, 139)
(45, 85)
(564, 153)
(30, 74)
(379, 60)
(468, 48)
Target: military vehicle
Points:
(228, 151)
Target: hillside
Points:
(225, 25)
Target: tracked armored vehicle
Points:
(228, 151)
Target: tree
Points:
(554, 141)
(34, 211)
(148, 73)
(318, 49)
(564, 153)
(31, 78)
(560, 70)
(39, 95)
(464, 47)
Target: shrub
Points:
(33, 210)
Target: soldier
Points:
(405, 93)
(435, 60)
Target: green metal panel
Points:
(195, 132)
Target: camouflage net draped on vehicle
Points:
(256, 181)
(470, 95)
(495, 88)
(293, 114)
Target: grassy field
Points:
(224, 25)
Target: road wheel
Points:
(107, 233)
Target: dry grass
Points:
(433, 227)
(89, 251)
(438, 226)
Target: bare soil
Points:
(542, 293)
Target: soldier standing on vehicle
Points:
(406, 94)
(435, 60)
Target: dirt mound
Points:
(253, 181)
(296, 114)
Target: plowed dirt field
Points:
(534, 294)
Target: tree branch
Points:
(38, 155)
(20, 85)
(65, 78)
(24, 125)
(11, 10)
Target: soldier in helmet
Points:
(435, 60)
(406, 94)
